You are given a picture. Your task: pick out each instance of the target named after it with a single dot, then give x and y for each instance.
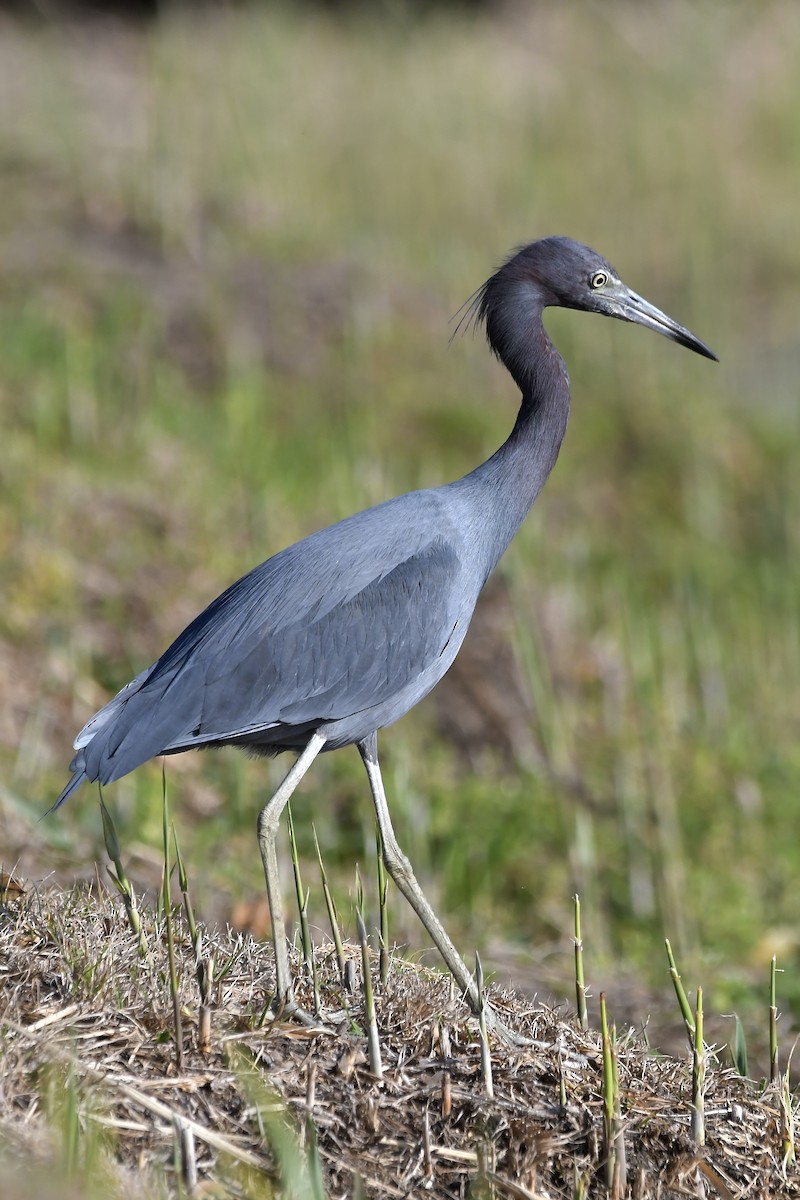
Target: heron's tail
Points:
(78, 776)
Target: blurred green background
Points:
(231, 243)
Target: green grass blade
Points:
(680, 992)
(580, 986)
(609, 1097)
(183, 882)
(302, 901)
(739, 1053)
(333, 916)
(174, 987)
(383, 885)
(120, 879)
(774, 1069)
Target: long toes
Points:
(507, 1035)
(290, 1010)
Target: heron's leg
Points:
(401, 873)
(268, 823)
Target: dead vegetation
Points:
(88, 1057)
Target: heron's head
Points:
(557, 271)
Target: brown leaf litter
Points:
(75, 996)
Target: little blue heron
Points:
(342, 633)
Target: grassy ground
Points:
(230, 249)
(97, 1098)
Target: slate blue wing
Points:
(268, 658)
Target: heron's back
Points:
(342, 632)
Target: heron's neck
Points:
(516, 473)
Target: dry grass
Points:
(84, 1015)
(230, 247)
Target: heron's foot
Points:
(287, 1008)
(510, 1037)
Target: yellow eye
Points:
(599, 280)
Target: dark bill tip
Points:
(684, 338)
(641, 312)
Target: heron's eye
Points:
(598, 280)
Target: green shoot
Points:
(167, 906)
(313, 1160)
(72, 1129)
(204, 966)
(774, 1070)
(333, 916)
(683, 1000)
(299, 1168)
(359, 891)
(184, 886)
(120, 879)
(302, 901)
(580, 987)
(739, 1052)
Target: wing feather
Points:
(325, 629)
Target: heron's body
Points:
(342, 633)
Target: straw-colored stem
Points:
(787, 1122)
(315, 980)
(486, 1057)
(315, 1178)
(427, 1157)
(205, 976)
(698, 1127)
(373, 1043)
(620, 1181)
(609, 1145)
(187, 1159)
(447, 1094)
